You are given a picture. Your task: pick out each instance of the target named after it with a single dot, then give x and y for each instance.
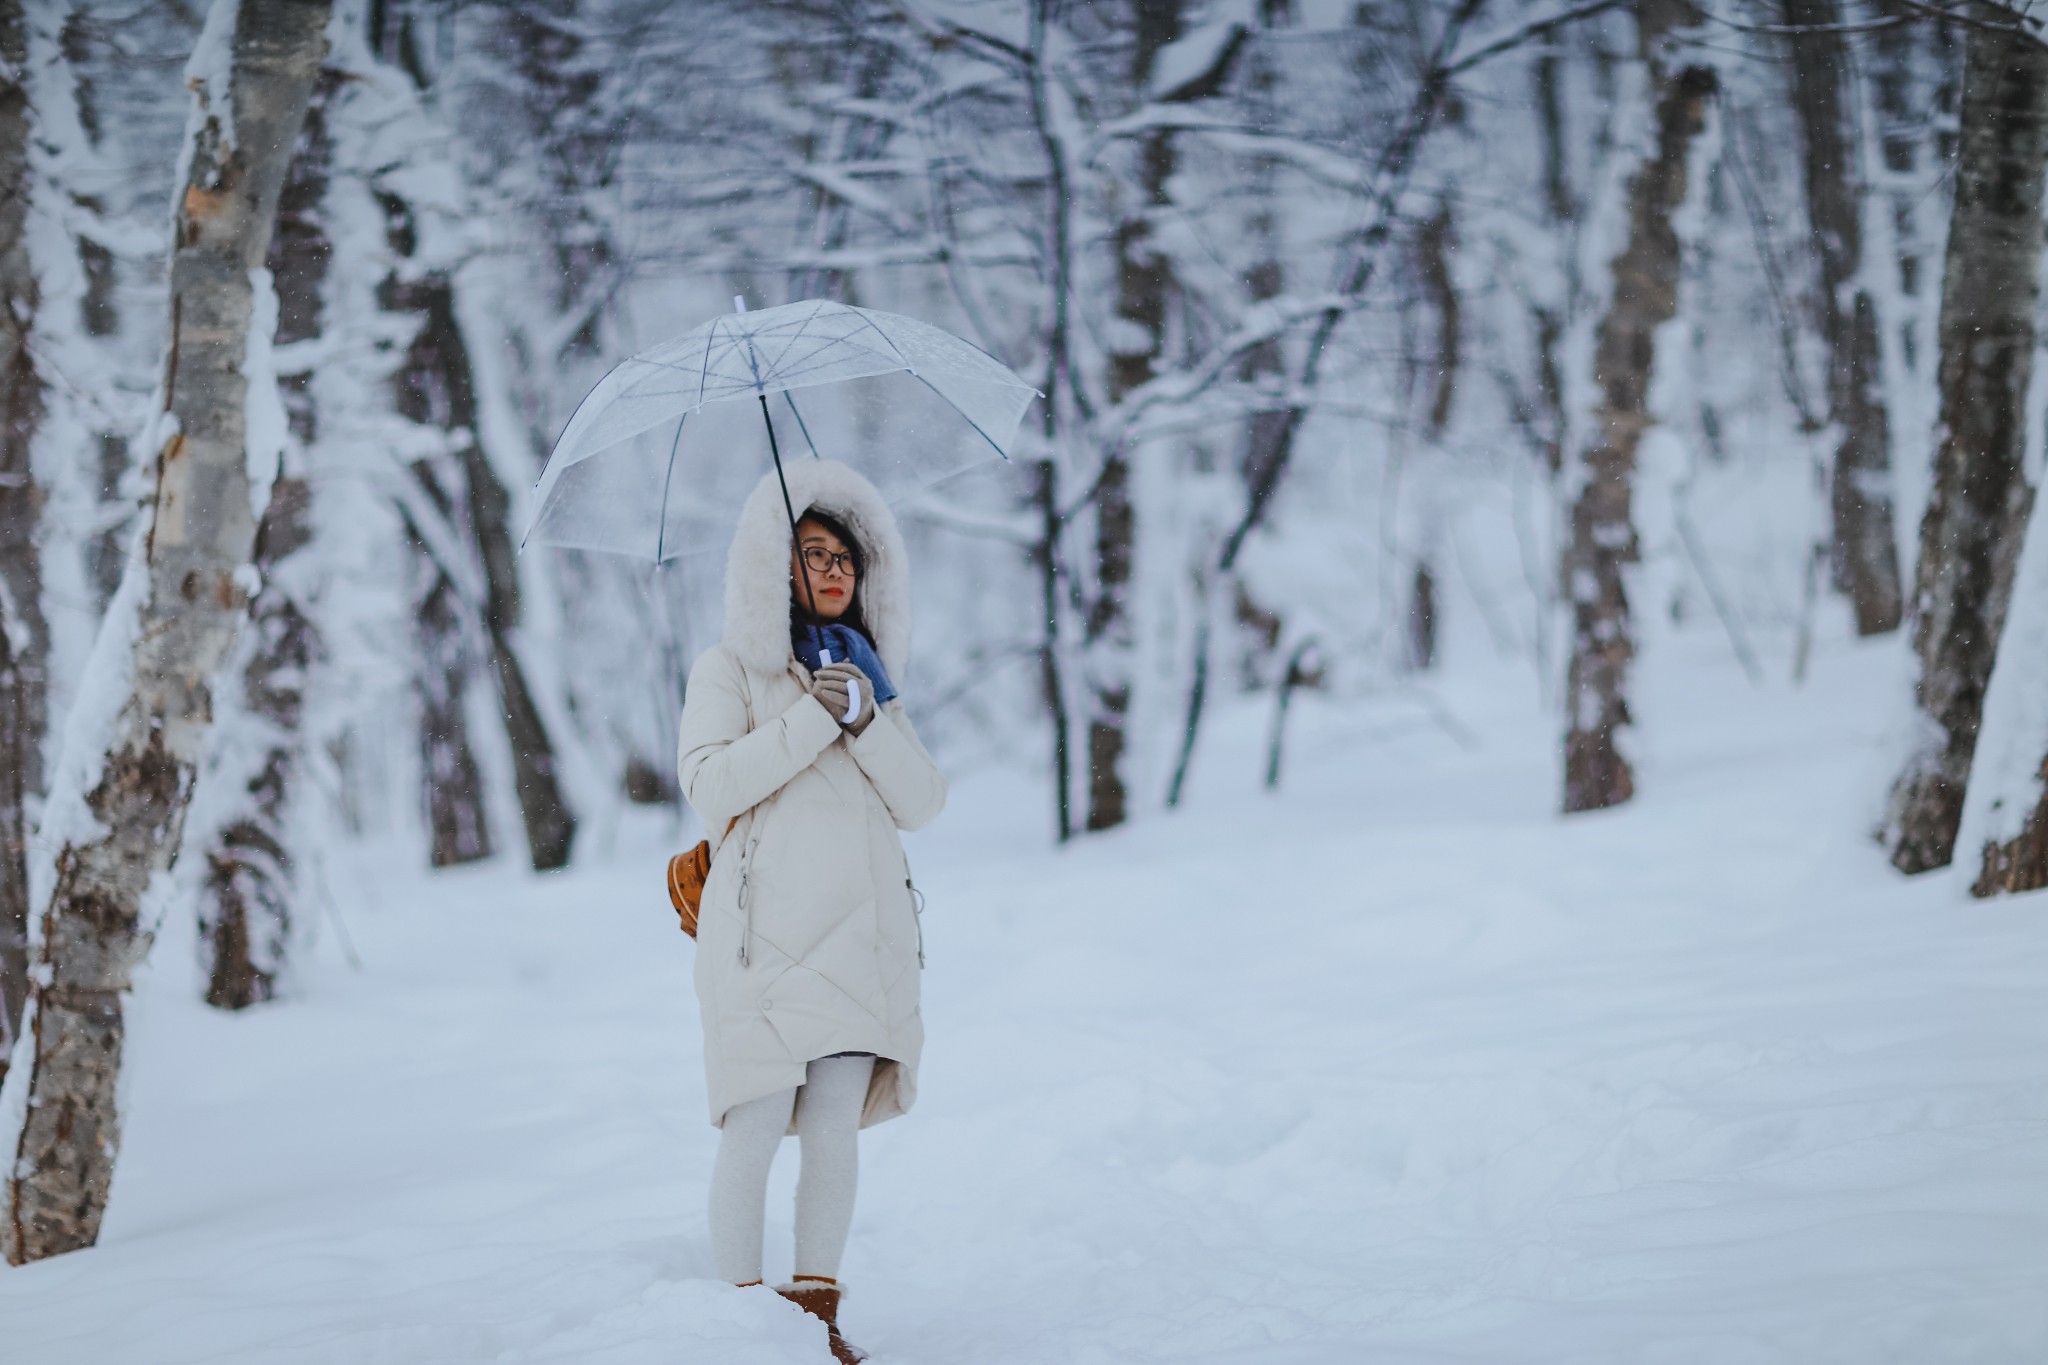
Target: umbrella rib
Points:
(790, 399)
(870, 325)
(963, 416)
(705, 373)
(661, 527)
(785, 367)
(565, 431)
(794, 337)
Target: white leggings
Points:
(828, 1107)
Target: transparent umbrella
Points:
(659, 456)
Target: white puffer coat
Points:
(807, 940)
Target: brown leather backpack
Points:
(687, 873)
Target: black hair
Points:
(800, 615)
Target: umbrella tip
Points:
(739, 303)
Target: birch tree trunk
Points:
(1864, 553)
(1603, 535)
(24, 633)
(188, 603)
(1977, 513)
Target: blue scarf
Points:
(848, 646)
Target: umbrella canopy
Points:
(658, 457)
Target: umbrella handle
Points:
(852, 692)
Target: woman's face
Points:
(829, 561)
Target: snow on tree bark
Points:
(1602, 531)
(1864, 549)
(245, 909)
(2005, 814)
(246, 899)
(187, 608)
(1144, 285)
(24, 632)
(1971, 534)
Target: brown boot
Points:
(820, 1297)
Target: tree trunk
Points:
(1422, 611)
(245, 903)
(1434, 248)
(436, 387)
(1864, 553)
(1914, 77)
(2005, 816)
(188, 605)
(458, 821)
(1144, 281)
(1542, 413)
(1051, 680)
(246, 900)
(24, 633)
(477, 602)
(1971, 533)
(1603, 535)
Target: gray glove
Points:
(829, 686)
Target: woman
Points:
(808, 947)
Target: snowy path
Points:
(1396, 1067)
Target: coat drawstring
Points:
(746, 907)
(917, 912)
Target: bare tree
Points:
(1603, 534)
(1971, 534)
(1864, 548)
(1145, 291)
(466, 563)
(436, 387)
(187, 596)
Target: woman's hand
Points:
(830, 685)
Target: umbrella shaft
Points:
(774, 450)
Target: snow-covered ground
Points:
(1395, 1066)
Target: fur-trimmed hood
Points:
(757, 586)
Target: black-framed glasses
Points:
(821, 560)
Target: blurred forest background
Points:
(1375, 337)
